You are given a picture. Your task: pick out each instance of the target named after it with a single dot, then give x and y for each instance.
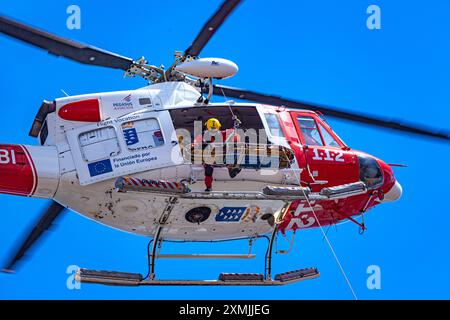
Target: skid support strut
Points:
(225, 279)
(157, 241)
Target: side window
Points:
(99, 144)
(309, 130)
(274, 125)
(142, 134)
(329, 140)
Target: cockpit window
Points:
(310, 131)
(370, 172)
(274, 125)
(329, 140)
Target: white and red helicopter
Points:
(131, 160)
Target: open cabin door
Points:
(328, 161)
(134, 143)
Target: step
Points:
(206, 256)
(108, 277)
(241, 277)
(296, 275)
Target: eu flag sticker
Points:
(131, 136)
(230, 214)
(100, 167)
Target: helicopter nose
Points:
(394, 193)
(392, 188)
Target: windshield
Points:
(310, 131)
(316, 133)
(328, 138)
(339, 139)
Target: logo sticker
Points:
(158, 138)
(230, 214)
(124, 104)
(100, 167)
(130, 135)
(251, 214)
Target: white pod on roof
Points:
(209, 68)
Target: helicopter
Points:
(138, 160)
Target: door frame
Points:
(128, 161)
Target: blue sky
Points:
(317, 51)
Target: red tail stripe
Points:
(35, 176)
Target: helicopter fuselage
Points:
(88, 142)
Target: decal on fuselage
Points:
(304, 216)
(130, 134)
(99, 167)
(230, 214)
(142, 134)
(327, 155)
(251, 214)
(122, 146)
(7, 156)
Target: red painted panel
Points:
(83, 110)
(301, 216)
(332, 164)
(17, 172)
(388, 174)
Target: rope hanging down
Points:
(328, 241)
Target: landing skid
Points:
(136, 279)
(225, 279)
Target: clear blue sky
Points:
(317, 51)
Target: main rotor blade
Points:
(329, 111)
(63, 47)
(46, 220)
(211, 27)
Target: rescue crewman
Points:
(213, 126)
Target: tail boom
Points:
(30, 171)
